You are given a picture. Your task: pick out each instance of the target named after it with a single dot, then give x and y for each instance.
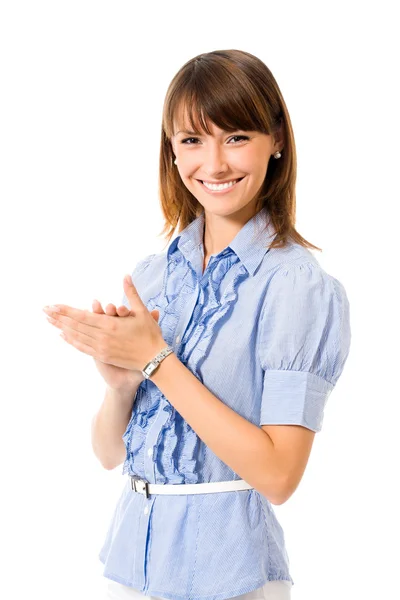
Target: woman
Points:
(248, 334)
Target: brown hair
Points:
(234, 90)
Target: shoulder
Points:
(297, 265)
(298, 287)
(305, 319)
(291, 255)
(152, 263)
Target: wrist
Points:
(136, 377)
(152, 366)
(129, 387)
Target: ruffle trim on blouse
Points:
(143, 410)
(177, 444)
(202, 327)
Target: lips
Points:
(220, 182)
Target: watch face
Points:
(150, 368)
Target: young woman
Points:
(231, 342)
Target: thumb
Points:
(132, 294)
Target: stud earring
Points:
(175, 162)
(277, 154)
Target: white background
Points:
(82, 87)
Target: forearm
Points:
(243, 446)
(109, 425)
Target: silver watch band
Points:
(153, 365)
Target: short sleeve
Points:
(304, 341)
(140, 268)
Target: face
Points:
(239, 159)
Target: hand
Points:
(127, 343)
(118, 378)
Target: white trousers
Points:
(272, 590)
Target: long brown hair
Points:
(234, 90)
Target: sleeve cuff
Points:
(294, 398)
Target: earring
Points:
(277, 154)
(175, 162)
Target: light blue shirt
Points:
(267, 331)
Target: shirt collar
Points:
(250, 244)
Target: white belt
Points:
(146, 488)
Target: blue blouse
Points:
(267, 331)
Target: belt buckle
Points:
(143, 489)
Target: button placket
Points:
(186, 315)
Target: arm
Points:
(111, 421)
(243, 446)
(293, 443)
(109, 425)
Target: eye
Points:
(243, 137)
(188, 139)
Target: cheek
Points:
(188, 166)
(187, 172)
(256, 165)
(251, 160)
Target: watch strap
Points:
(153, 365)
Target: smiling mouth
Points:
(222, 187)
(220, 182)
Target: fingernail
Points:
(51, 309)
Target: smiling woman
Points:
(236, 120)
(220, 164)
(230, 344)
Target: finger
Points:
(111, 311)
(123, 311)
(69, 315)
(69, 324)
(77, 341)
(97, 308)
(132, 294)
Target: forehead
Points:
(183, 125)
(183, 122)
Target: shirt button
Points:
(150, 451)
(146, 510)
(178, 339)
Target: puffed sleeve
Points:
(140, 268)
(304, 341)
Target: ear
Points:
(278, 138)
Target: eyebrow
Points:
(187, 132)
(199, 132)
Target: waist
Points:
(144, 487)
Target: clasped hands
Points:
(129, 342)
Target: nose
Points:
(214, 160)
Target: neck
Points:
(219, 231)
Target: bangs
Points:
(234, 91)
(229, 100)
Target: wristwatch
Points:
(153, 365)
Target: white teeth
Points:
(219, 186)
